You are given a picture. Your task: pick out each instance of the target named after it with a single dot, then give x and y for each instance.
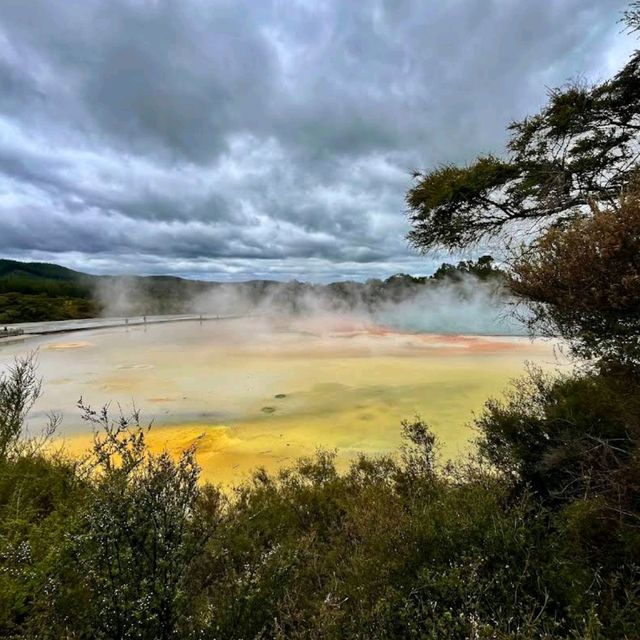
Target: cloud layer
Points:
(233, 139)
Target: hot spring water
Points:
(259, 392)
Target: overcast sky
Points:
(232, 139)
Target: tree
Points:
(632, 16)
(20, 387)
(583, 283)
(581, 148)
(483, 269)
(570, 182)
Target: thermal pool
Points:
(264, 391)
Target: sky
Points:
(240, 139)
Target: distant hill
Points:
(33, 291)
(41, 277)
(37, 291)
(41, 270)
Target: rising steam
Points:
(465, 304)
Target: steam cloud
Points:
(465, 305)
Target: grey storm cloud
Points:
(230, 139)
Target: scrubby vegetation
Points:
(594, 298)
(18, 307)
(537, 537)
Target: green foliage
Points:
(19, 389)
(581, 148)
(569, 438)
(38, 496)
(631, 16)
(29, 285)
(34, 292)
(40, 589)
(484, 269)
(137, 538)
(444, 203)
(18, 307)
(39, 270)
(397, 550)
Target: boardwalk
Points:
(27, 329)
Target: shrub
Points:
(582, 281)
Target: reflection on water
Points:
(263, 392)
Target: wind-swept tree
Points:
(570, 184)
(581, 148)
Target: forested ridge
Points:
(32, 292)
